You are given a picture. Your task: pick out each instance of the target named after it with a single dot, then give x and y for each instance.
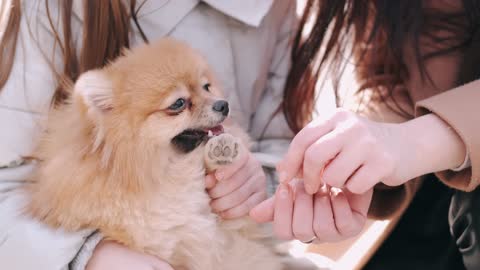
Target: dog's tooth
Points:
(210, 133)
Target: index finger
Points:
(291, 164)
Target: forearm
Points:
(434, 145)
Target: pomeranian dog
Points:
(128, 154)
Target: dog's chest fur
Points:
(176, 220)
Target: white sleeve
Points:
(26, 244)
(86, 252)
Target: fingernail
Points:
(335, 191)
(283, 191)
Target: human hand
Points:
(236, 188)
(111, 255)
(348, 151)
(327, 216)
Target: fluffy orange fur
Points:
(107, 162)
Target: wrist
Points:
(432, 145)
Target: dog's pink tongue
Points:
(217, 130)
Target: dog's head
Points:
(164, 94)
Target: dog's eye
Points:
(206, 87)
(178, 105)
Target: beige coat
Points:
(246, 42)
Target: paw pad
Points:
(222, 149)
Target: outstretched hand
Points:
(330, 215)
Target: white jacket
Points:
(246, 42)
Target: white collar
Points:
(250, 12)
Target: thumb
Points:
(263, 212)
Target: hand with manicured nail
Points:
(327, 216)
(235, 189)
(348, 151)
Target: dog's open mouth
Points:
(190, 139)
(214, 131)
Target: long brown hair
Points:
(375, 34)
(9, 24)
(106, 32)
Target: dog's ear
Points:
(96, 90)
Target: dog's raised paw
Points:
(221, 150)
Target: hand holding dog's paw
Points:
(239, 183)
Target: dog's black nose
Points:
(221, 106)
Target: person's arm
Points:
(457, 132)
(436, 146)
(459, 111)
